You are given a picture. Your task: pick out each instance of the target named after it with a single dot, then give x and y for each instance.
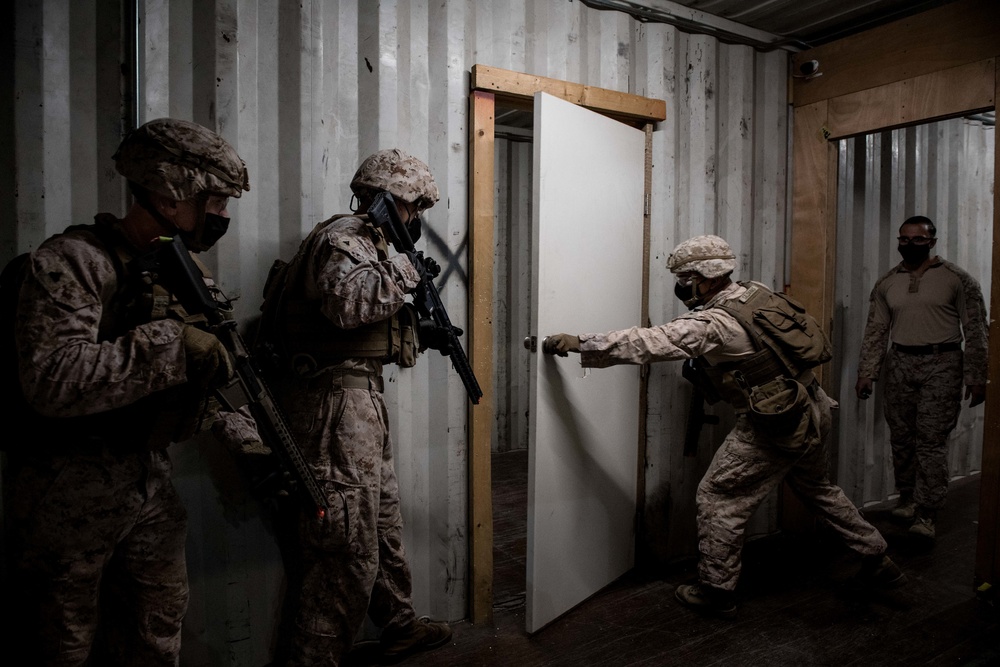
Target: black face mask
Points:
(688, 294)
(413, 228)
(206, 235)
(684, 292)
(914, 255)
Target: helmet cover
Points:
(401, 175)
(709, 256)
(180, 159)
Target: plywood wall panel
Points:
(955, 34)
(931, 96)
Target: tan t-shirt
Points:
(941, 305)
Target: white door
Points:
(583, 425)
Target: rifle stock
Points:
(696, 420)
(178, 272)
(426, 297)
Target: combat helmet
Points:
(401, 175)
(180, 159)
(709, 256)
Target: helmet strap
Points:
(695, 299)
(714, 286)
(142, 197)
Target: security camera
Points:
(808, 70)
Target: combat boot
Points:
(707, 599)
(905, 507)
(421, 635)
(923, 526)
(878, 572)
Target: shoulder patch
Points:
(73, 269)
(349, 236)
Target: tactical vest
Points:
(135, 301)
(788, 341)
(303, 340)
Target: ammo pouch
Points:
(315, 344)
(779, 411)
(732, 381)
(405, 337)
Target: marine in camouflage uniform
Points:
(750, 463)
(920, 309)
(344, 314)
(98, 529)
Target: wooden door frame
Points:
(935, 65)
(490, 85)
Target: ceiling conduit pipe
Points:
(694, 21)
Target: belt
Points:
(365, 381)
(927, 349)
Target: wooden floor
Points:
(793, 607)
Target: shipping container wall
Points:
(305, 90)
(719, 167)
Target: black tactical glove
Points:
(434, 337)
(561, 344)
(269, 478)
(425, 266)
(208, 362)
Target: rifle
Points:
(178, 273)
(433, 316)
(696, 414)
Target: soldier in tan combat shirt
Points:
(344, 315)
(751, 462)
(921, 309)
(98, 530)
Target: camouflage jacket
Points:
(344, 272)
(705, 331)
(75, 356)
(969, 309)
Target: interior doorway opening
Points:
(943, 170)
(513, 136)
(489, 86)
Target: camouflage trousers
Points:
(744, 471)
(923, 398)
(99, 549)
(353, 561)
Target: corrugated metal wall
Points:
(719, 166)
(943, 170)
(306, 89)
